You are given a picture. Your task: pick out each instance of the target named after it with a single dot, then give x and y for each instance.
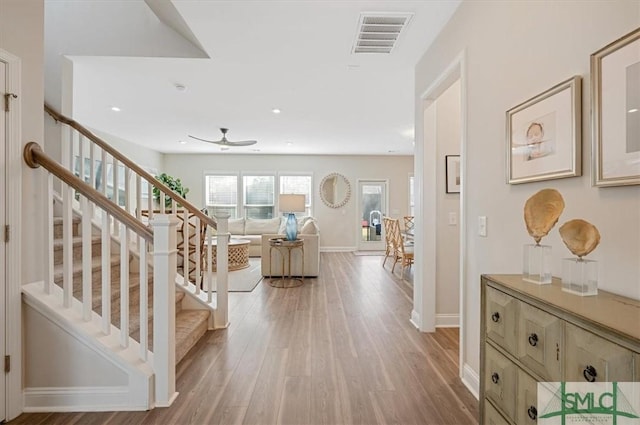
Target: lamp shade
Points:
(291, 203)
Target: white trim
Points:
(447, 320)
(14, 401)
(75, 399)
(471, 380)
(457, 69)
(370, 245)
(415, 319)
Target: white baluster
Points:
(222, 274)
(124, 285)
(49, 226)
(186, 231)
(164, 318)
(144, 299)
(106, 272)
(67, 244)
(87, 294)
(198, 255)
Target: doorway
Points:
(372, 206)
(435, 223)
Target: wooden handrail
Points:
(35, 157)
(132, 165)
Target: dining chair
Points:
(402, 251)
(409, 223)
(388, 243)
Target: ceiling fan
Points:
(224, 142)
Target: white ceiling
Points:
(291, 55)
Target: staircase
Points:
(112, 317)
(190, 324)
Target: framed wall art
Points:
(544, 137)
(615, 121)
(453, 173)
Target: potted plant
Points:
(173, 184)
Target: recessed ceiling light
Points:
(631, 111)
(276, 110)
(115, 109)
(289, 143)
(180, 87)
(183, 142)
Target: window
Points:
(299, 185)
(222, 194)
(259, 196)
(412, 198)
(254, 195)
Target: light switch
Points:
(482, 226)
(453, 219)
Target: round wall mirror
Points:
(335, 190)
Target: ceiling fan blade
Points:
(208, 141)
(242, 143)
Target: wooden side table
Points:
(285, 246)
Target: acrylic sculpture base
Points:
(536, 266)
(580, 276)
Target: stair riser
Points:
(58, 252)
(96, 277)
(58, 229)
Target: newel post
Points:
(221, 315)
(164, 308)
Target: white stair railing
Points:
(131, 187)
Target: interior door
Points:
(3, 221)
(372, 206)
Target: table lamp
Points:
(291, 204)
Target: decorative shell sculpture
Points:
(542, 211)
(580, 236)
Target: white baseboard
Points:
(447, 320)
(471, 380)
(415, 319)
(77, 399)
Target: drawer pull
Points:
(495, 378)
(532, 412)
(495, 317)
(533, 340)
(590, 373)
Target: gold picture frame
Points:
(615, 121)
(544, 135)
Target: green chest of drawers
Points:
(534, 333)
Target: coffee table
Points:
(238, 254)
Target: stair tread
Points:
(96, 262)
(77, 240)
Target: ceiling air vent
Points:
(379, 32)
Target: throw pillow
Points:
(309, 228)
(236, 226)
(261, 226)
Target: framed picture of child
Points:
(544, 135)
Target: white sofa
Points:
(259, 231)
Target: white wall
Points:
(21, 34)
(338, 227)
(515, 50)
(144, 157)
(447, 236)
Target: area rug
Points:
(244, 280)
(369, 253)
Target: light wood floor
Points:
(338, 350)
